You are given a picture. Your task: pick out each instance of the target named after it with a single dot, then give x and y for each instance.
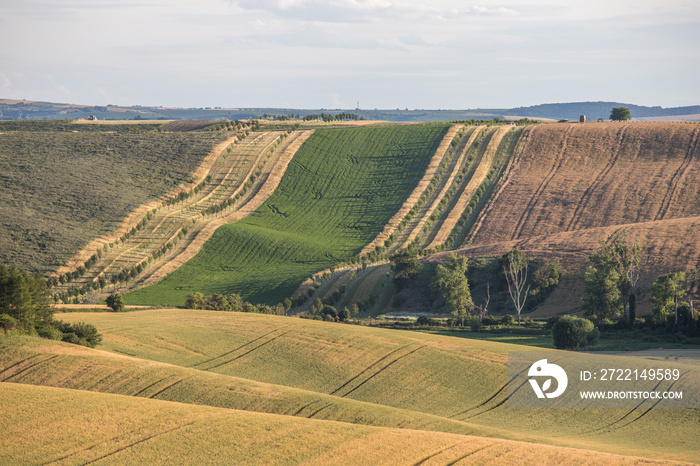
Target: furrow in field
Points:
(266, 186)
(480, 176)
(556, 164)
(415, 227)
(521, 146)
(585, 199)
(679, 176)
(417, 192)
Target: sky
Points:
(416, 54)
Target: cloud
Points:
(368, 11)
(332, 11)
(5, 82)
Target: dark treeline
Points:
(25, 309)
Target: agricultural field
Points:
(64, 184)
(137, 431)
(287, 366)
(156, 238)
(340, 189)
(556, 191)
(573, 177)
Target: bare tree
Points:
(483, 310)
(515, 270)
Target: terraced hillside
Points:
(334, 371)
(340, 189)
(158, 237)
(64, 184)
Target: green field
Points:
(64, 184)
(455, 379)
(340, 189)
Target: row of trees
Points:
(452, 284)
(611, 288)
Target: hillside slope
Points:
(140, 431)
(572, 177)
(455, 378)
(340, 189)
(63, 184)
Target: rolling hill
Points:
(333, 371)
(340, 189)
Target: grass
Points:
(338, 192)
(457, 378)
(77, 427)
(64, 184)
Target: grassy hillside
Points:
(233, 180)
(454, 378)
(138, 431)
(63, 184)
(339, 190)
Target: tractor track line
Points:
(382, 369)
(248, 352)
(586, 197)
(556, 164)
(369, 367)
(678, 176)
(234, 350)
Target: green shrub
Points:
(475, 324)
(80, 333)
(8, 324)
(50, 332)
(574, 332)
(507, 320)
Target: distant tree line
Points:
(25, 309)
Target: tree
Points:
(666, 294)
(405, 265)
(601, 296)
(451, 281)
(620, 114)
(194, 301)
(619, 256)
(24, 297)
(574, 332)
(116, 302)
(514, 265)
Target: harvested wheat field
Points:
(572, 177)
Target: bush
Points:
(79, 333)
(507, 320)
(551, 321)
(490, 320)
(7, 323)
(574, 332)
(425, 320)
(475, 324)
(344, 314)
(52, 333)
